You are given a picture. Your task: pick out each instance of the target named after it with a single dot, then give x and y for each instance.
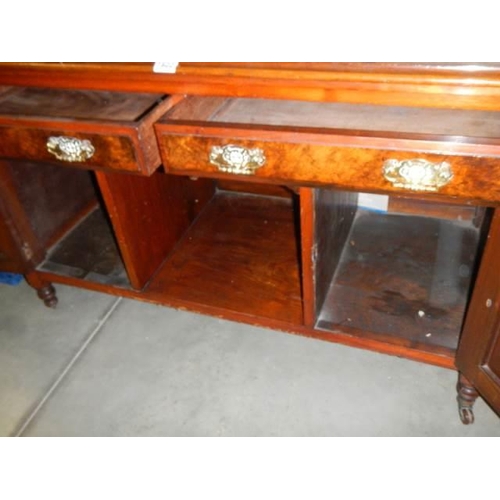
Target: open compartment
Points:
(125, 230)
(63, 223)
(225, 248)
(241, 255)
(391, 269)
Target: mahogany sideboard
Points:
(354, 203)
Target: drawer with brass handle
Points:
(354, 147)
(89, 129)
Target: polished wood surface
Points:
(478, 357)
(186, 151)
(77, 104)
(150, 216)
(273, 248)
(333, 213)
(10, 259)
(29, 251)
(120, 129)
(241, 255)
(465, 86)
(346, 116)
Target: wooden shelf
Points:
(88, 252)
(403, 280)
(240, 255)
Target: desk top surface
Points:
(444, 85)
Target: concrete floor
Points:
(102, 366)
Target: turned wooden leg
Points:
(466, 398)
(44, 289)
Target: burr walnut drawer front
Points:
(452, 153)
(89, 129)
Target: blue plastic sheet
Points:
(11, 278)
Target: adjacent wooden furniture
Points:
(352, 203)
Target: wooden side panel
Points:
(326, 219)
(308, 279)
(150, 215)
(18, 236)
(10, 258)
(334, 214)
(478, 356)
(53, 198)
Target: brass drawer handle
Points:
(237, 160)
(417, 175)
(70, 149)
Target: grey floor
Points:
(102, 366)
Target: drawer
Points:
(414, 151)
(90, 129)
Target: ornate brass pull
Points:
(417, 175)
(237, 160)
(70, 149)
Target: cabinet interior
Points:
(402, 275)
(318, 258)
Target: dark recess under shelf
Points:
(88, 252)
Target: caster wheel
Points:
(466, 415)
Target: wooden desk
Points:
(351, 203)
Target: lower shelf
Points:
(403, 279)
(88, 252)
(240, 255)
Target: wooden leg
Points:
(466, 398)
(44, 289)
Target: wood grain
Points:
(272, 112)
(29, 251)
(334, 213)
(424, 85)
(241, 255)
(149, 216)
(10, 259)
(478, 354)
(77, 104)
(323, 160)
(119, 145)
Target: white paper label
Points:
(378, 202)
(165, 67)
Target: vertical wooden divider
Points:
(150, 215)
(307, 253)
(326, 217)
